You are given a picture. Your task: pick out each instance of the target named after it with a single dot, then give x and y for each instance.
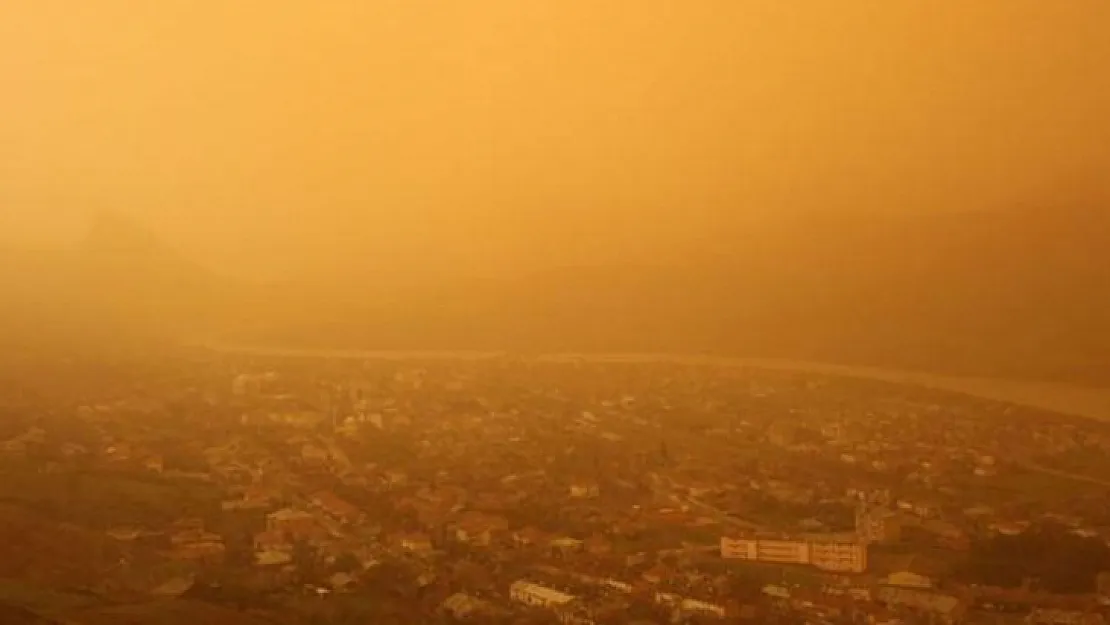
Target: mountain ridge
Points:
(1000, 293)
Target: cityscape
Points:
(304, 489)
(554, 312)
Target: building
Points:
(839, 556)
(336, 507)
(297, 523)
(908, 579)
(480, 529)
(567, 609)
(585, 490)
(530, 537)
(415, 542)
(539, 596)
(878, 524)
(763, 550)
(694, 606)
(830, 554)
(272, 541)
(314, 454)
(461, 606)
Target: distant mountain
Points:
(120, 283)
(1019, 292)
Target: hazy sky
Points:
(289, 136)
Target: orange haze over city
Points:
(816, 152)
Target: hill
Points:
(1009, 293)
(120, 286)
(1015, 293)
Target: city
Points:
(531, 490)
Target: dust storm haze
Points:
(916, 184)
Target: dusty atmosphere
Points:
(554, 311)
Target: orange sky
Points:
(293, 136)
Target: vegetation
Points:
(37, 598)
(1048, 556)
(104, 500)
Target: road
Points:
(1066, 475)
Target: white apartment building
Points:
(830, 555)
(841, 557)
(763, 550)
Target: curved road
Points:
(1068, 399)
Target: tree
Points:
(1061, 561)
(347, 563)
(304, 558)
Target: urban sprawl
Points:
(524, 490)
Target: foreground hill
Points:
(168, 612)
(15, 615)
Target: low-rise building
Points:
(290, 521)
(415, 542)
(336, 507)
(535, 595)
(585, 490)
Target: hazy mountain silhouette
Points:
(119, 283)
(1016, 292)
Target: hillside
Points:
(120, 286)
(170, 612)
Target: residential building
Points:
(461, 605)
(336, 507)
(477, 528)
(585, 490)
(529, 537)
(294, 522)
(416, 543)
(539, 596)
(908, 579)
(694, 606)
(272, 541)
